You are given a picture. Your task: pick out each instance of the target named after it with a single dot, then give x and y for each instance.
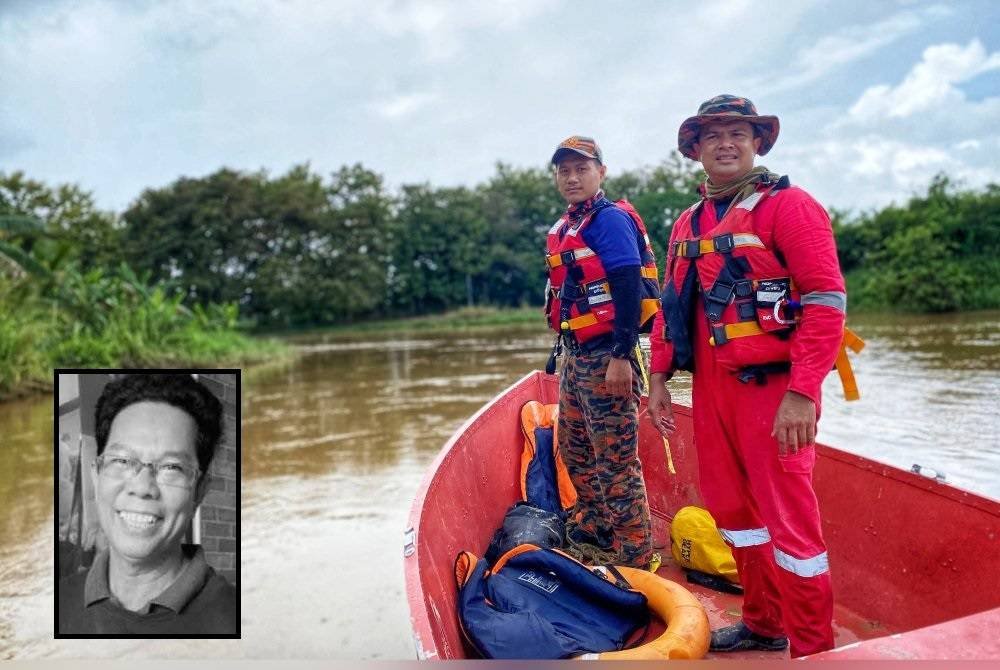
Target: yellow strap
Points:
(645, 383)
(852, 341)
(648, 308)
(741, 329)
(555, 260)
(843, 364)
(650, 272)
(642, 369)
(670, 459)
(846, 374)
(707, 246)
(581, 321)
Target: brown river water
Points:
(335, 446)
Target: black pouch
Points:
(525, 524)
(770, 300)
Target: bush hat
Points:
(720, 108)
(585, 146)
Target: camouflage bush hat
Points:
(723, 107)
(585, 146)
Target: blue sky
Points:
(874, 97)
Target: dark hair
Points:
(179, 390)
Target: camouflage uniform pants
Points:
(598, 442)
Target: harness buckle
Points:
(716, 299)
(759, 373)
(724, 243)
(720, 292)
(567, 257)
(719, 336)
(688, 249)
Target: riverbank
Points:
(471, 319)
(460, 320)
(28, 355)
(27, 361)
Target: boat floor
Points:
(724, 609)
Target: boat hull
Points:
(914, 561)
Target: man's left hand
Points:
(618, 378)
(795, 423)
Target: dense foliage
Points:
(299, 250)
(166, 281)
(940, 252)
(66, 300)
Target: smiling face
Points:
(726, 150)
(144, 520)
(578, 178)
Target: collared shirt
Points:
(198, 602)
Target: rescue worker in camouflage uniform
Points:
(602, 284)
(754, 306)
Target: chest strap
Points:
(720, 244)
(569, 257)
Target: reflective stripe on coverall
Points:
(765, 504)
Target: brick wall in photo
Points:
(219, 509)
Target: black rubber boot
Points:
(740, 638)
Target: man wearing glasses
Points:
(156, 435)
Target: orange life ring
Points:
(687, 634)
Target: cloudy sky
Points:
(874, 97)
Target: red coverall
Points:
(763, 503)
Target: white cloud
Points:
(832, 52)
(895, 138)
(930, 84)
(871, 171)
(121, 96)
(403, 105)
(441, 27)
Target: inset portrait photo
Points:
(147, 471)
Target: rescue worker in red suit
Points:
(754, 306)
(602, 286)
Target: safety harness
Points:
(745, 299)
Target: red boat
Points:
(915, 562)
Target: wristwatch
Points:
(619, 350)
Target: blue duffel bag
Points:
(540, 603)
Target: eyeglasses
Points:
(169, 473)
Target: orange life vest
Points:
(578, 298)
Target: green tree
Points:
(521, 205)
(438, 257)
(71, 228)
(208, 235)
(937, 253)
(328, 257)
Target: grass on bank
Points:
(463, 319)
(113, 323)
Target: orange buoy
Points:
(687, 634)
